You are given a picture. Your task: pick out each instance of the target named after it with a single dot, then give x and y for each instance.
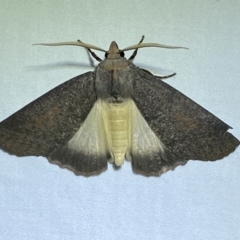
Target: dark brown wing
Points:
(187, 130)
(48, 123)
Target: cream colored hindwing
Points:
(119, 129)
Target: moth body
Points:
(117, 112)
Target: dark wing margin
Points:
(49, 122)
(187, 130)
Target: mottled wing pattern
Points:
(48, 123)
(187, 130)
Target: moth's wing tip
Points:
(229, 145)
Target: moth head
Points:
(114, 51)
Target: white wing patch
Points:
(144, 141)
(119, 129)
(90, 139)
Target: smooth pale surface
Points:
(198, 201)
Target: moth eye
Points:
(122, 54)
(106, 55)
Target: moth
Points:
(117, 112)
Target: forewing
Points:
(46, 124)
(187, 130)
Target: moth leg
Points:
(135, 51)
(167, 76)
(161, 77)
(92, 53)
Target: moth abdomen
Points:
(119, 129)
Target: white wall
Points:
(198, 201)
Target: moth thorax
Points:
(119, 128)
